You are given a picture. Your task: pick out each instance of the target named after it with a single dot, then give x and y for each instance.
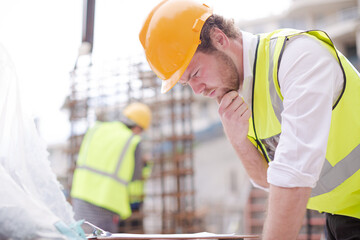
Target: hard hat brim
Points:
(169, 83)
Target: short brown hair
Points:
(225, 25)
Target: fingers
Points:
(246, 113)
(234, 115)
(232, 102)
(235, 104)
(227, 99)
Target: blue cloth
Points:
(72, 232)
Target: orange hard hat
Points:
(170, 37)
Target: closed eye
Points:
(193, 76)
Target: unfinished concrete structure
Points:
(99, 93)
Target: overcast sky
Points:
(43, 36)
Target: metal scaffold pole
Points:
(99, 92)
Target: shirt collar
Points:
(249, 48)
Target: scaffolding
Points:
(99, 92)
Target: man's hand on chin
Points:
(234, 115)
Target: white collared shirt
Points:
(310, 80)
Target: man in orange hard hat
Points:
(109, 162)
(289, 104)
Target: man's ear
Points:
(219, 39)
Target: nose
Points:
(197, 87)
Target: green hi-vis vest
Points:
(105, 166)
(338, 188)
(136, 187)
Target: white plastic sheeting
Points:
(31, 200)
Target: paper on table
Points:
(168, 236)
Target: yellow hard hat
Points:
(170, 37)
(138, 113)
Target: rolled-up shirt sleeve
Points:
(310, 80)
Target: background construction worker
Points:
(289, 104)
(109, 159)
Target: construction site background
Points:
(197, 182)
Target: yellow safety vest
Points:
(338, 189)
(105, 166)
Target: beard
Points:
(228, 70)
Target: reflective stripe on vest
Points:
(105, 166)
(338, 188)
(333, 176)
(112, 175)
(275, 99)
(330, 176)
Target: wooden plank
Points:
(174, 237)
